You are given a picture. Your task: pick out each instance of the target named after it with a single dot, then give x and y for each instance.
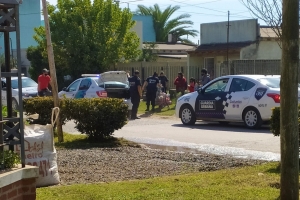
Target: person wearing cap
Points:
(43, 83)
(151, 84)
(135, 93)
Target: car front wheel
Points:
(15, 105)
(252, 118)
(187, 115)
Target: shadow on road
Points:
(234, 127)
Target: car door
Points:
(84, 86)
(240, 92)
(210, 101)
(72, 89)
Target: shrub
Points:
(275, 121)
(43, 107)
(9, 159)
(96, 117)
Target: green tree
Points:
(148, 52)
(163, 24)
(88, 37)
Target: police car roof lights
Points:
(90, 75)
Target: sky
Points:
(201, 11)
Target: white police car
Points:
(112, 84)
(232, 98)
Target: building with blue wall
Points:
(30, 17)
(148, 27)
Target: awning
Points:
(173, 56)
(221, 47)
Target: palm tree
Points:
(163, 25)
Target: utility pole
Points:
(227, 41)
(289, 130)
(52, 69)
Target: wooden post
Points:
(289, 130)
(52, 69)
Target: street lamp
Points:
(118, 2)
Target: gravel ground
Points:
(127, 163)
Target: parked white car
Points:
(232, 98)
(29, 90)
(112, 84)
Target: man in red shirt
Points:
(180, 83)
(43, 83)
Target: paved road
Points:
(205, 136)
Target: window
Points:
(218, 86)
(270, 82)
(85, 84)
(73, 87)
(238, 85)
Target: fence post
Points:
(168, 76)
(142, 72)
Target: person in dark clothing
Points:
(151, 84)
(135, 93)
(163, 81)
(204, 77)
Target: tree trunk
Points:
(289, 132)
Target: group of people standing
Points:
(150, 85)
(182, 85)
(153, 82)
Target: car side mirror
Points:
(201, 91)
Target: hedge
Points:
(275, 121)
(43, 107)
(96, 117)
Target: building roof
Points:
(267, 32)
(221, 46)
(177, 46)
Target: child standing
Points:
(192, 85)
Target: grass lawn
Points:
(256, 182)
(81, 141)
(163, 112)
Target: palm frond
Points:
(163, 24)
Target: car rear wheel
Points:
(252, 118)
(187, 115)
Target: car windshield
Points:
(26, 82)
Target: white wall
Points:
(266, 50)
(138, 28)
(239, 31)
